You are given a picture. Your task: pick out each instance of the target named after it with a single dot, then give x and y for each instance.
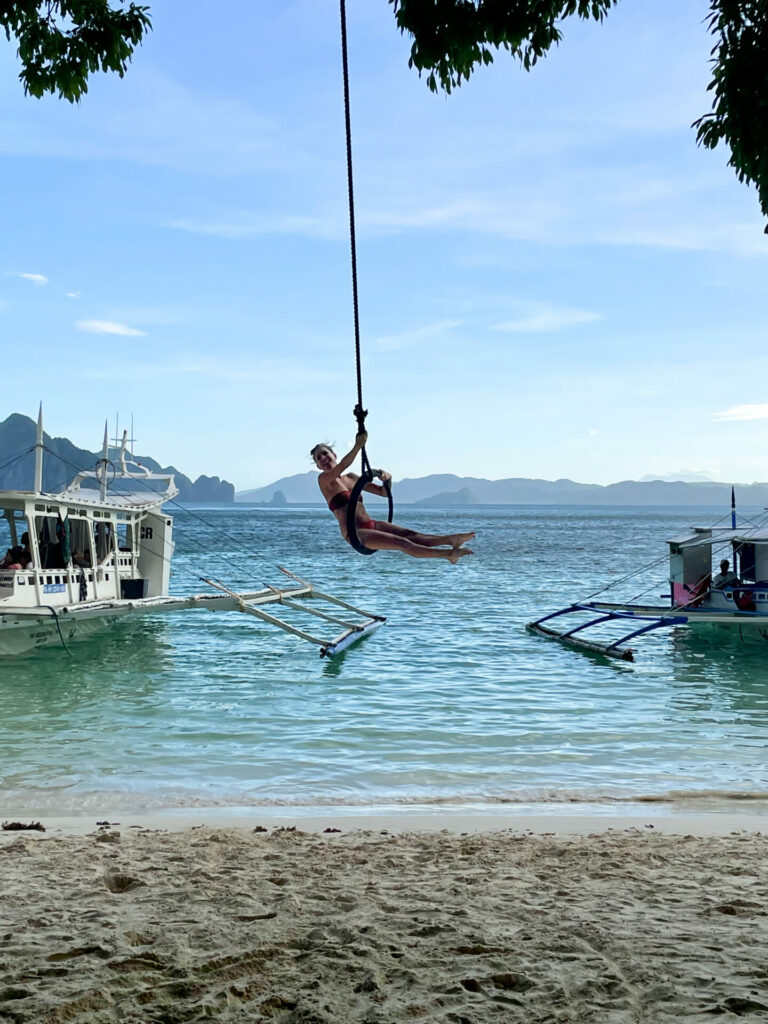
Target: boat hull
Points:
(20, 635)
(24, 629)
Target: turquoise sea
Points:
(451, 703)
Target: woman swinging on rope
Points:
(343, 490)
(337, 484)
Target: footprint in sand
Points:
(117, 881)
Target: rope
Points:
(629, 576)
(55, 615)
(651, 565)
(16, 458)
(715, 547)
(368, 472)
(360, 413)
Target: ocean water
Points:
(451, 703)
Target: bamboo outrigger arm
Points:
(355, 628)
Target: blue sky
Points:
(554, 280)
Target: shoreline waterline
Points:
(720, 819)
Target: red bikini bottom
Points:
(365, 524)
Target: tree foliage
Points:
(62, 42)
(739, 115)
(452, 37)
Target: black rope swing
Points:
(368, 473)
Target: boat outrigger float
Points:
(736, 598)
(607, 613)
(101, 549)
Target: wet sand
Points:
(547, 918)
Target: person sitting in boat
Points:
(336, 485)
(725, 578)
(19, 556)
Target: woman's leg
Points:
(381, 540)
(426, 540)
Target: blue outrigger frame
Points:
(610, 650)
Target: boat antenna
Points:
(104, 463)
(733, 527)
(39, 452)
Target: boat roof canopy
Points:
(740, 535)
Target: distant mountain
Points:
(449, 498)
(447, 489)
(300, 489)
(17, 434)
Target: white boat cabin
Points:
(691, 570)
(105, 537)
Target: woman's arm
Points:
(343, 464)
(379, 488)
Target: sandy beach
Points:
(288, 924)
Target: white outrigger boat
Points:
(693, 599)
(102, 548)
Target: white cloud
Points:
(73, 295)
(108, 327)
(743, 412)
(268, 372)
(740, 238)
(37, 279)
(689, 476)
(252, 225)
(409, 339)
(547, 321)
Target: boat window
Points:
(80, 540)
(13, 525)
(51, 541)
(105, 541)
(6, 540)
(747, 562)
(124, 536)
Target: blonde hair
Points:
(322, 444)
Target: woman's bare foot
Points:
(456, 553)
(457, 539)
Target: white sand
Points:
(136, 924)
